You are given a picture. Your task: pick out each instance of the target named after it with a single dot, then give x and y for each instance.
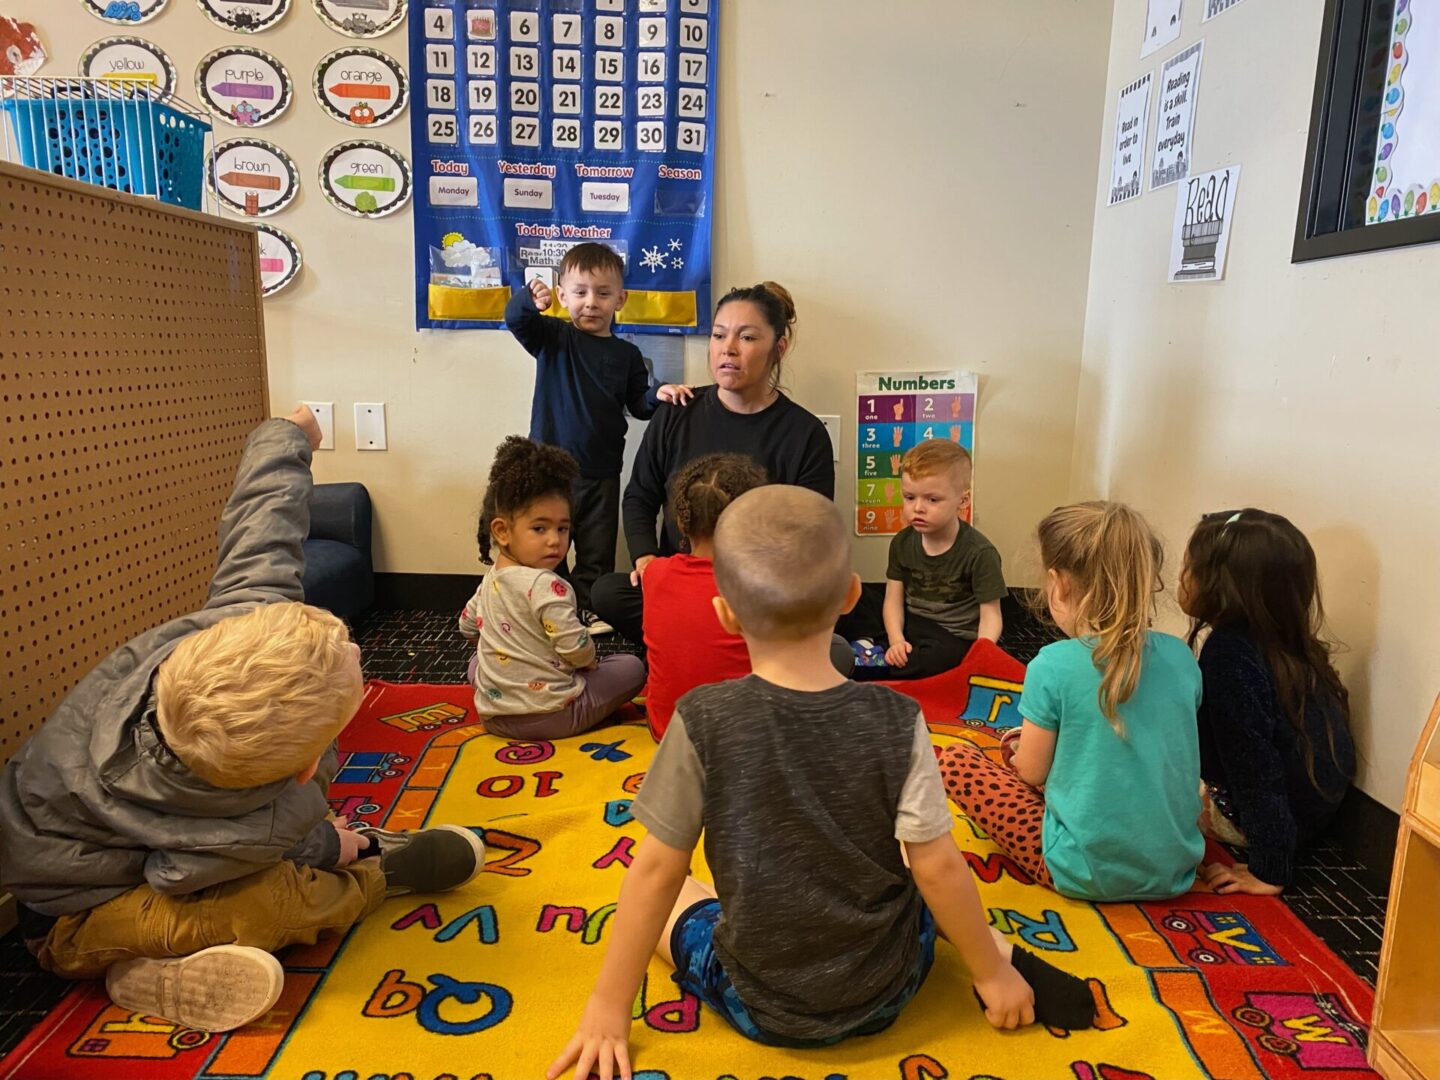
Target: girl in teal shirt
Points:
(1109, 727)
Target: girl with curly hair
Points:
(535, 672)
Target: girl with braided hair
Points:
(685, 643)
(535, 671)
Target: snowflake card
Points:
(541, 124)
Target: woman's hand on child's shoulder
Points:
(1238, 878)
(675, 394)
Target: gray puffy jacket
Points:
(95, 804)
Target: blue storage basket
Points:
(129, 144)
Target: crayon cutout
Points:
(360, 90)
(251, 180)
(258, 91)
(366, 183)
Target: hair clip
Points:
(1234, 517)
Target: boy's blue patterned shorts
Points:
(698, 970)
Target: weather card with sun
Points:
(546, 125)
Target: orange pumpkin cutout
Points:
(363, 113)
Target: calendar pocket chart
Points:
(541, 124)
(896, 410)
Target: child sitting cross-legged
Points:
(535, 671)
(812, 792)
(1276, 752)
(167, 827)
(943, 584)
(684, 642)
(1108, 731)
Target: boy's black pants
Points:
(933, 649)
(594, 526)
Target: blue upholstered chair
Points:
(339, 575)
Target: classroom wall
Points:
(1309, 390)
(863, 163)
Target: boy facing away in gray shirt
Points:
(807, 788)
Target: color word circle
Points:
(125, 11)
(129, 60)
(245, 16)
(279, 258)
(367, 179)
(254, 177)
(361, 86)
(361, 18)
(245, 86)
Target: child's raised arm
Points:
(601, 1043)
(944, 881)
(268, 516)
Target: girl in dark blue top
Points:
(1275, 749)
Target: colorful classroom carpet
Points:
(488, 982)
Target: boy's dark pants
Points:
(594, 526)
(284, 904)
(933, 649)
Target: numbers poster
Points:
(896, 410)
(541, 124)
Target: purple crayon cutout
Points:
(245, 90)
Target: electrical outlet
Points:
(832, 428)
(370, 425)
(325, 416)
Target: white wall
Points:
(1310, 390)
(901, 168)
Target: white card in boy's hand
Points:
(543, 274)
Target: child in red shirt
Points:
(687, 646)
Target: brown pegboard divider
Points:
(132, 367)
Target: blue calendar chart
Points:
(541, 124)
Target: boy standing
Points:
(585, 379)
(943, 585)
(167, 826)
(802, 783)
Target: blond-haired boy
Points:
(943, 584)
(812, 793)
(167, 826)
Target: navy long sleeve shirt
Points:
(583, 385)
(1249, 747)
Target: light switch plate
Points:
(832, 428)
(370, 425)
(325, 416)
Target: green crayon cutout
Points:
(366, 183)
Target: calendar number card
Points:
(541, 124)
(896, 410)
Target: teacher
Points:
(744, 412)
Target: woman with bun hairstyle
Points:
(743, 412)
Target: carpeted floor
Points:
(488, 982)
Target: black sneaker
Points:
(428, 860)
(594, 623)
